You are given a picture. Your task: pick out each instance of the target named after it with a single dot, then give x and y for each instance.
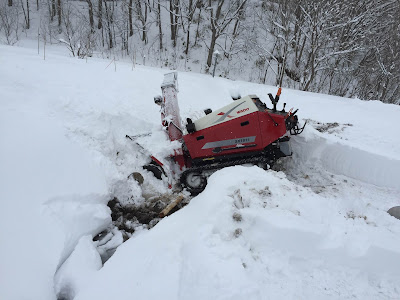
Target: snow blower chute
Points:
(242, 132)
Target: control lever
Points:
(274, 100)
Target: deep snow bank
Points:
(338, 157)
(37, 162)
(254, 234)
(78, 269)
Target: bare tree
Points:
(9, 20)
(100, 14)
(378, 74)
(219, 21)
(314, 42)
(141, 11)
(91, 19)
(341, 47)
(173, 24)
(199, 18)
(26, 14)
(78, 37)
(160, 33)
(130, 17)
(283, 33)
(53, 9)
(110, 20)
(187, 10)
(59, 15)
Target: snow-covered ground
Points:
(316, 229)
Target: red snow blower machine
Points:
(245, 131)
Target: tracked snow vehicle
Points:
(244, 131)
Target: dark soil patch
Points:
(127, 217)
(328, 127)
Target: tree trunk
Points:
(187, 39)
(113, 21)
(28, 21)
(171, 19)
(10, 3)
(108, 17)
(59, 15)
(190, 18)
(176, 21)
(144, 24)
(159, 24)
(311, 58)
(100, 15)
(283, 65)
(197, 28)
(130, 17)
(26, 14)
(53, 9)
(214, 35)
(102, 37)
(37, 4)
(50, 13)
(143, 19)
(91, 20)
(235, 28)
(211, 49)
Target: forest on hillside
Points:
(338, 47)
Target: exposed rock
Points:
(237, 217)
(394, 212)
(238, 232)
(138, 177)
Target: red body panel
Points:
(250, 133)
(269, 131)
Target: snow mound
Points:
(78, 216)
(340, 158)
(253, 233)
(78, 269)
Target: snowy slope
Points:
(38, 163)
(255, 235)
(318, 229)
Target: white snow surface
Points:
(80, 267)
(317, 229)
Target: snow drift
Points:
(343, 159)
(254, 234)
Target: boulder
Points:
(395, 212)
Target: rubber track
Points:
(217, 166)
